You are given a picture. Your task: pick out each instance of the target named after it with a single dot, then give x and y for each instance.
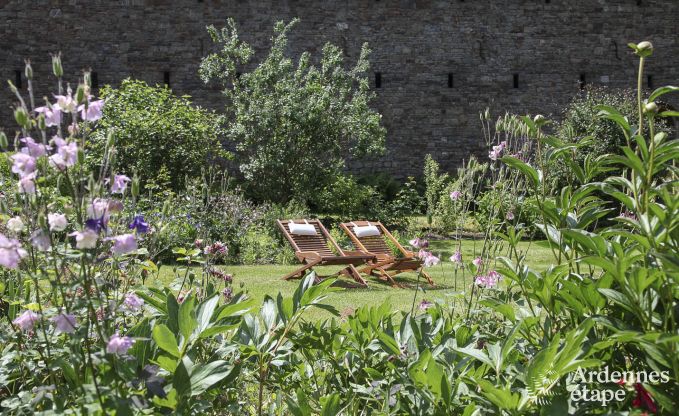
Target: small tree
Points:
(294, 125)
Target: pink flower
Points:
(497, 151)
(478, 262)
(11, 252)
(455, 195)
(133, 302)
(431, 260)
(85, 239)
(41, 241)
(57, 222)
(510, 216)
(217, 248)
(64, 323)
(119, 184)
(123, 244)
(456, 257)
(15, 225)
(98, 210)
(93, 110)
(23, 164)
(419, 243)
(32, 148)
(422, 254)
(52, 115)
(119, 345)
(66, 103)
(27, 184)
(66, 155)
(425, 304)
(26, 320)
(488, 281)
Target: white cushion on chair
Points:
(302, 229)
(366, 231)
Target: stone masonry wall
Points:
(417, 45)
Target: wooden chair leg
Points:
(300, 272)
(388, 278)
(426, 276)
(357, 276)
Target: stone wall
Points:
(417, 45)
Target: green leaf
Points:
(205, 311)
(165, 340)
(662, 91)
(330, 405)
(187, 318)
(525, 168)
(204, 376)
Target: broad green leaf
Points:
(165, 340)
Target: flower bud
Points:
(643, 49)
(110, 139)
(56, 66)
(135, 186)
(81, 156)
(80, 95)
(651, 108)
(4, 143)
(28, 71)
(88, 78)
(42, 221)
(21, 116)
(166, 208)
(41, 122)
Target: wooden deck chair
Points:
(314, 250)
(385, 263)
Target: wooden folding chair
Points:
(315, 250)
(385, 263)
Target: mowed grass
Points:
(263, 280)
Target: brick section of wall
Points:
(416, 45)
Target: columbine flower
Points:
(66, 155)
(119, 184)
(115, 206)
(490, 280)
(455, 195)
(119, 345)
(15, 225)
(217, 248)
(425, 304)
(57, 222)
(478, 262)
(85, 239)
(510, 216)
(52, 115)
(64, 323)
(133, 302)
(220, 274)
(419, 243)
(32, 148)
(497, 151)
(23, 164)
(27, 184)
(227, 293)
(123, 244)
(40, 240)
(139, 225)
(11, 252)
(26, 320)
(66, 103)
(93, 111)
(456, 257)
(431, 260)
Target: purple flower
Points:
(26, 320)
(139, 225)
(27, 184)
(123, 244)
(115, 206)
(119, 345)
(217, 248)
(66, 155)
(85, 239)
(57, 222)
(11, 252)
(478, 262)
(133, 302)
(510, 216)
(52, 115)
(497, 150)
(23, 164)
(425, 304)
(227, 293)
(41, 241)
(419, 243)
(64, 323)
(66, 103)
(431, 260)
(456, 257)
(32, 148)
(119, 184)
(93, 110)
(98, 210)
(490, 280)
(455, 195)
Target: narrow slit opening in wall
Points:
(166, 78)
(516, 80)
(94, 80)
(17, 78)
(378, 80)
(649, 81)
(583, 81)
(450, 80)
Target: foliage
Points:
(161, 137)
(294, 125)
(435, 184)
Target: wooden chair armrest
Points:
(307, 256)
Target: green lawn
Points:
(259, 281)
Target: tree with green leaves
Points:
(294, 124)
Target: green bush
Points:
(294, 124)
(257, 246)
(161, 137)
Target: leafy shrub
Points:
(435, 184)
(293, 125)
(161, 137)
(257, 246)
